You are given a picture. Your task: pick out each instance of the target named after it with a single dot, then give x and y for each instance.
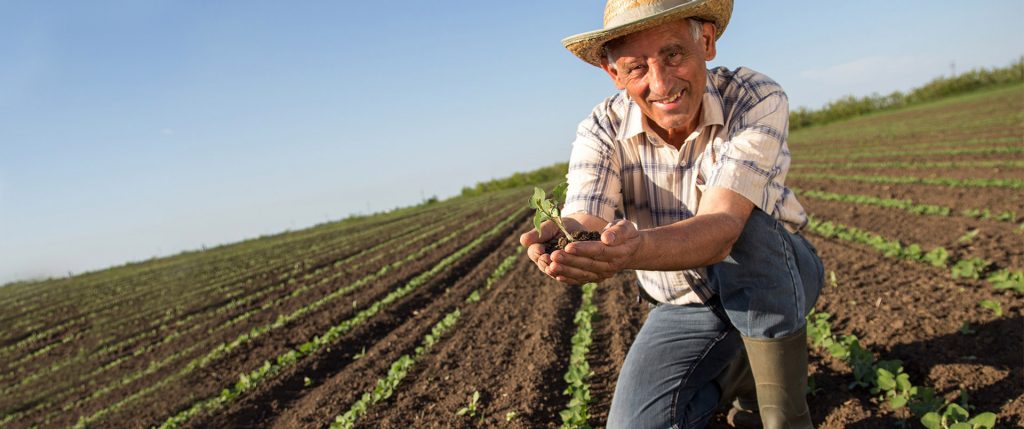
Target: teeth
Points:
(669, 100)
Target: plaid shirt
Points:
(619, 168)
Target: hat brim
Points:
(589, 46)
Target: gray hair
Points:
(696, 26)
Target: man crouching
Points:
(696, 161)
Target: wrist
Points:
(642, 248)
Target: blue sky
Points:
(130, 129)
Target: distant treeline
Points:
(850, 106)
(535, 177)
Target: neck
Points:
(676, 136)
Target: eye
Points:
(636, 69)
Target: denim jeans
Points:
(667, 379)
(773, 284)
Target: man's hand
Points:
(534, 242)
(594, 261)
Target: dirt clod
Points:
(559, 242)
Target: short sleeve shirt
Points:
(620, 169)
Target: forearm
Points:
(696, 242)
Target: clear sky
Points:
(136, 128)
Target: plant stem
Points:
(558, 223)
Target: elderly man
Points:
(695, 161)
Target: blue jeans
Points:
(773, 284)
(667, 379)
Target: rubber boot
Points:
(737, 386)
(779, 366)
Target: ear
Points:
(707, 40)
(612, 73)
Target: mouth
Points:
(669, 103)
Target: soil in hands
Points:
(559, 242)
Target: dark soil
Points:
(559, 242)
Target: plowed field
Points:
(398, 319)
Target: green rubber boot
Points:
(779, 366)
(737, 386)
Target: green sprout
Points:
(993, 305)
(547, 209)
(470, 409)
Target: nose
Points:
(658, 79)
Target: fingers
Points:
(572, 275)
(618, 232)
(563, 259)
(590, 249)
(548, 231)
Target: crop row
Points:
(906, 205)
(386, 385)
(575, 414)
(309, 281)
(894, 153)
(248, 381)
(94, 293)
(910, 180)
(912, 165)
(888, 381)
(112, 343)
(972, 268)
(243, 338)
(909, 142)
(224, 281)
(256, 332)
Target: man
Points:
(695, 160)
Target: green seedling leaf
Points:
(955, 413)
(983, 421)
(548, 209)
(558, 194)
(932, 420)
(993, 305)
(538, 196)
(969, 236)
(538, 221)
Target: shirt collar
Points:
(711, 112)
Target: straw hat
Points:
(622, 17)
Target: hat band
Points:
(644, 11)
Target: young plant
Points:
(993, 305)
(969, 236)
(547, 209)
(471, 409)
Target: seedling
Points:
(510, 415)
(306, 381)
(969, 236)
(471, 409)
(970, 268)
(993, 305)
(547, 209)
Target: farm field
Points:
(430, 316)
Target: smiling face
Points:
(663, 69)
